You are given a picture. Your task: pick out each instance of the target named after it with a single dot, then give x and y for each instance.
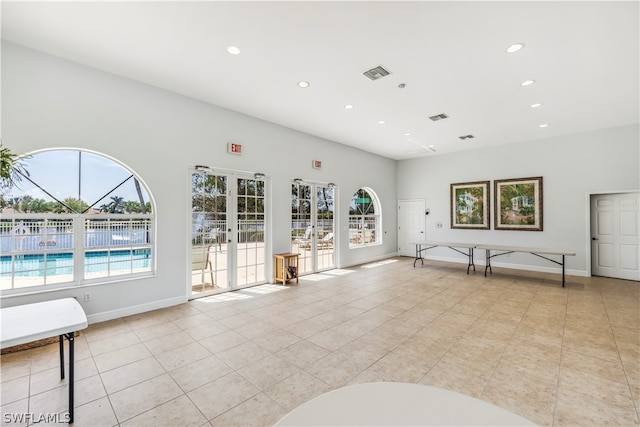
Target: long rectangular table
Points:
(501, 249)
(539, 252)
(31, 322)
(450, 245)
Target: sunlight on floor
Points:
(380, 263)
(264, 289)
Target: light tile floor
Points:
(516, 339)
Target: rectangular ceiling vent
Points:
(376, 73)
(463, 137)
(439, 117)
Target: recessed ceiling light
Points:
(514, 48)
(544, 125)
(303, 84)
(348, 106)
(233, 50)
(407, 134)
(527, 82)
(535, 105)
(381, 122)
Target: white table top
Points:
(445, 244)
(398, 404)
(526, 249)
(31, 322)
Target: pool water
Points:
(62, 263)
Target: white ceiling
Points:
(583, 56)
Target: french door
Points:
(227, 231)
(312, 226)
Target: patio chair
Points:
(326, 241)
(305, 242)
(200, 261)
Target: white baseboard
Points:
(135, 309)
(368, 260)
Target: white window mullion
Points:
(78, 248)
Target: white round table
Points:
(398, 404)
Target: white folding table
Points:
(31, 322)
(539, 252)
(423, 246)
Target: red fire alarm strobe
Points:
(317, 164)
(234, 148)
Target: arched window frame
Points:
(73, 245)
(365, 219)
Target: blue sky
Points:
(58, 172)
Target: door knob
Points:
(594, 238)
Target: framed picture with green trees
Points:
(518, 204)
(470, 205)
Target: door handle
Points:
(594, 238)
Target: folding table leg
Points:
(71, 376)
(61, 339)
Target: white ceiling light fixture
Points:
(527, 82)
(304, 84)
(407, 134)
(381, 122)
(544, 125)
(234, 50)
(514, 48)
(536, 105)
(348, 106)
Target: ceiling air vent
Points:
(463, 137)
(376, 73)
(439, 117)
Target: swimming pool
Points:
(95, 263)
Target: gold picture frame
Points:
(470, 205)
(518, 204)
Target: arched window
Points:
(364, 219)
(74, 217)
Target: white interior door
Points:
(410, 225)
(615, 237)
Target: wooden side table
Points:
(285, 267)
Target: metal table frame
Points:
(450, 245)
(504, 250)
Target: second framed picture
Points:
(470, 205)
(518, 204)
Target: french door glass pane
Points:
(301, 226)
(208, 232)
(251, 227)
(324, 228)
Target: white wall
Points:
(572, 166)
(48, 102)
